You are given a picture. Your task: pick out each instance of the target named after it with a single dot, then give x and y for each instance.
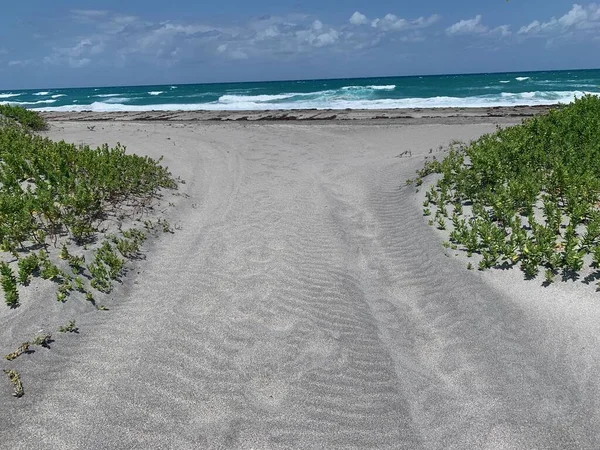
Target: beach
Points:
(304, 302)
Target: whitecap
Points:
(156, 92)
(229, 99)
(389, 87)
(42, 93)
(327, 102)
(9, 95)
(504, 81)
(117, 100)
(40, 102)
(58, 95)
(522, 78)
(107, 95)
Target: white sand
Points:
(305, 303)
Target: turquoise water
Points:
(497, 89)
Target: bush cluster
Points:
(51, 188)
(55, 201)
(527, 195)
(29, 119)
(52, 193)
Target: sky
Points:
(78, 43)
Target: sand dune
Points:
(304, 303)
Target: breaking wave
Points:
(327, 100)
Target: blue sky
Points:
(68, 43)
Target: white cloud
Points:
(358, 19)
(76, 56)
(238, 54)
(502, 31)
(22, 63)
(469, 26)
(325, 39)
(578, 18)
(392, 22)
(117, 39)
(532, 27)
(88, 15)
(576, 15)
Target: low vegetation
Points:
(58, 202)
(15, 379)
(69, 327)
(26, 118)
(526, 196)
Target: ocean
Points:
(433, 91)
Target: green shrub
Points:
(69, 327)
(9, 285)
(27, 267)
(48, 189)
(533, 192)
(29, 119)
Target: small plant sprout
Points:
(69, 327)
(27, 267)
(77, 264)
(43, 340)
(64, 253)
(15, 379)
(9, 285)
(79, 284)
(441, 223)
(23, 348)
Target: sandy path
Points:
(304, 303)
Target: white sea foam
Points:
(260, 103)
(9, 95)
(42, 93)
(117, 100)
(39, 102)
(234, 99)
(389, 87)
(522, 78)
(58, 95)
(156, 92)
(173, 87)
(107, 95)
(504, 81)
